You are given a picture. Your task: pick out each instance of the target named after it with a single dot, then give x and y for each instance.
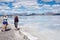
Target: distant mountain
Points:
(30, 14)
(51, 13)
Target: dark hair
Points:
(16, 19)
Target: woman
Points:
(5, 23)
(16, 20)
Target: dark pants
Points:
(16, 24)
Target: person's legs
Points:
(4, 26)
(16, 25)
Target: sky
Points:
(29, 6)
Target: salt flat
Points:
(42, 27)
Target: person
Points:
(5, 23)
(16, 20)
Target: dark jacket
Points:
(16, 19)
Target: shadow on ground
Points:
(8, 29)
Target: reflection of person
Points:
(5, 23)
(16, 20)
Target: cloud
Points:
(6, 0)
(57, 6)
(31, 6)
(47, 0)
(57, 1)
(26, 0)
(34, 7)
(4, 7)
(26, 3)
(48, 8)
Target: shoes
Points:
(17, 29)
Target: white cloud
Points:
(47, 8)
(6, 0)
(57, 6)
(4, 7)
(31, 6)
(17, 5)
(28, 0)
(25, 3)
(57, 1)
(47, 0)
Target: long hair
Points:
(16, 19)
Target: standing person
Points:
(16, 20)
(5, 23)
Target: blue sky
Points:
(30, 6)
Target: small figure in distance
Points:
(16, 20)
